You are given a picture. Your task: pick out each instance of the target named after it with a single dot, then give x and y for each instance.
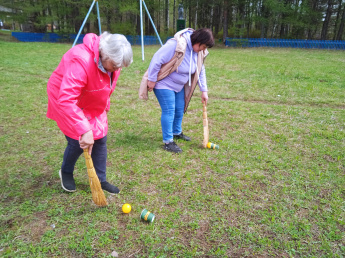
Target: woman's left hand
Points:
(204, 97)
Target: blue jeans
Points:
(98, 155)
(172, 105)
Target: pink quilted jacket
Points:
(79, 92)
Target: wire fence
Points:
(286, 43)
(153, 40)
(69, 38)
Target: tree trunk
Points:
(265, 19)
(337, 20)
(77, 22)
(146, 21)
(211, 16)
(174, 18)
(108, 18)
(166, 15)
(87, 25)
(240, 17)
(159, 18)
(196, 16)
(341, 26)
(283, 25)
(51, 16)
(249, 19)
(190, 14)
(137, 22)
(225, 21)
(313, 5)
(327, 20)
(217, 20)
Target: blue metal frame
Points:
(141, 24)
(154, 27)
(99, 19)
(87, 16)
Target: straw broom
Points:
(96, 189)
(205, 122)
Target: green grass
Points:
(275, 187)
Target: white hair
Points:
(116, 48)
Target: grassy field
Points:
(276, 186)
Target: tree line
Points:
(286, 19)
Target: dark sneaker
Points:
(67, 181)
(182, 136)
(172, 147)
(112, 189)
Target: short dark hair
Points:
(203, 36)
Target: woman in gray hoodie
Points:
(170, 92)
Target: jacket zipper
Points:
(110, 84)
(81, 96)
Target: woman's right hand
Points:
(86, 141)
(150, 85)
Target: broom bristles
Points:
(97, 193)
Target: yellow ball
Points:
(126, 208)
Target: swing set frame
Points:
(142, 2)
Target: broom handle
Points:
(204, 114)
(205, 123)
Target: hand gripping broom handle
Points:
(96, 189)
(205, 122)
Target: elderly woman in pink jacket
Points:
(79, 98)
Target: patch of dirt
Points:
(330, 158)
(201, 232)
(7, 223)
(37, 227)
